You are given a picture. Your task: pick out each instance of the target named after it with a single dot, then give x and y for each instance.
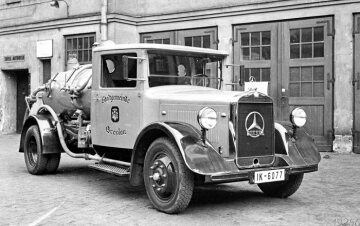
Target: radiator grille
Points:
(259, 146)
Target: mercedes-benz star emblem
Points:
(254, 124)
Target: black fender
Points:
(297, 149)
(49, 138)
(200, 158)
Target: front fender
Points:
(50, 140)
(295, 151)
(200, 158)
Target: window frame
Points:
(89, 48)
(101, 86)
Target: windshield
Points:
(174, 68)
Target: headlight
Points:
(298, 117)
(207, 118)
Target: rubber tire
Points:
(283, 189)
(35, 164)
(53, 163)
(185, 178)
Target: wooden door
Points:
(295, 57)
(356, 84)
(23, 90)
(255, 53)
(46, 70)
(307, 75)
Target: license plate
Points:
(269, 176)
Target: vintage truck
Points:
(157, 114)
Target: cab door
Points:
(116, 102)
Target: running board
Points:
(116, 170)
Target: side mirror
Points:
(125, 62)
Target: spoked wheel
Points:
(169, 183)
(35, 161)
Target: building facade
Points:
(308, 51)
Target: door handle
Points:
(357, 81)
(242, 75)
(284, 98)
(329, 80)
(96, 97)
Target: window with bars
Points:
(307, 42)
(79, 47)
(256, 45)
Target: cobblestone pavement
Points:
(78, 195)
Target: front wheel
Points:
(35, 161)
(283, 189)
(169, 183)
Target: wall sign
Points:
(14, 58)
(44, 49)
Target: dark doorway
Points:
(23, 90)
(46, 70)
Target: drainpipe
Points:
(104, 24)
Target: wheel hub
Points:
(32, 147)
(159, 177)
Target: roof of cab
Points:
(109, 45)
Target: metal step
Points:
(116, 170)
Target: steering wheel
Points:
(200, 80)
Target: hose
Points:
(68, 151)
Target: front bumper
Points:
(248, 174)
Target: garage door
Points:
(295, 57)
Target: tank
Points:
(70, 91)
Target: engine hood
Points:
(193, 94)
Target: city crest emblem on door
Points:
(254, 124)
(114, 114)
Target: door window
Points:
(113, 70)
(306, 81)
(307, 42)
(256, 45)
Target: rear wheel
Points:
(169, 183)
(35, 161)
(283, 189)
(53, 163)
